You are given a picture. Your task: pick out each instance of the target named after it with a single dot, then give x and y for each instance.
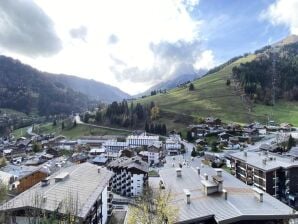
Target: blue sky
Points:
(234, 27)
(135, 44)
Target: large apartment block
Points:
(131, 175)
(80, 192)
(275, 174)
(142, 140)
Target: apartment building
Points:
(131, 175)
(142, 140)
(204, 195)
(273, 173)
(80, 192)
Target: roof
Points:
(85, 189)
(273, 161)
(100, 159)
(134, 162)
(241, 203)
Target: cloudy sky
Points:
(134, 44)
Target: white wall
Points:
(104, 196)
(137, 185)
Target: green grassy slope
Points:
(212, 97)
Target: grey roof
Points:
(240, 205)
(128, 163)
(273, 160)
(84, 185)
(100, 159)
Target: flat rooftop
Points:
(241, 203)
(83, 185)
(273, 161)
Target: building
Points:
(70, 193)
(173, 145)
(141, 140)
(275, 174)
(208, 196)
(154, 155)
(131, 175)
(114, 146)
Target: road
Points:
(79, 121)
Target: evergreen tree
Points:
(189, 136)
(193, 153)
(164, 130)
(62, 125)
(191, 87)
(291, 142)
(147, 128)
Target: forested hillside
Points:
(28, 90)
(273, 75)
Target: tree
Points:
(75, 123)
(191, 87)
(154, 113)
(189, 136)
(62, 125)
(154, 207)
(54, 122)
(193, 152)
(291, 142)
(228, 82)
(164, 129)
(98, 117)
(36, 147)
(214, 146)
(147, 128)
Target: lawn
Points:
(212, 97)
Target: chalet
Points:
(211, 121)
(224, 136)
(79, 158)
(127, 153)
(154, 155)
(53, 151)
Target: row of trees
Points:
(160, 129)
(129, 115)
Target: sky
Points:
(135, 44)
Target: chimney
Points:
(206, 176)
(199, 171)
(225, 193)
(264, 161)
(219, 172)
(44, 199)
(259, 194)
(245, 154)
(187, 193)
(179, 172)
(98, 170)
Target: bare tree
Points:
(154, 207)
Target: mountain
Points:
(93, 89)
(25, 89)
(173, 82)
(237, 96)
(28, 90)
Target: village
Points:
(111, 171)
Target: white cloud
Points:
(124, 31)
(283, 12)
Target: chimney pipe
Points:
(178, 172)
(199, 171)
(206, 176)
(187, 193)
(225, 193)
(245, 153)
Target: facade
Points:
(70, 193)
(114, 146)
(211, 196)
(275, 174)
(154, 155)
(172, 146)
(131, 175)
(141, 140)
(29, 180)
